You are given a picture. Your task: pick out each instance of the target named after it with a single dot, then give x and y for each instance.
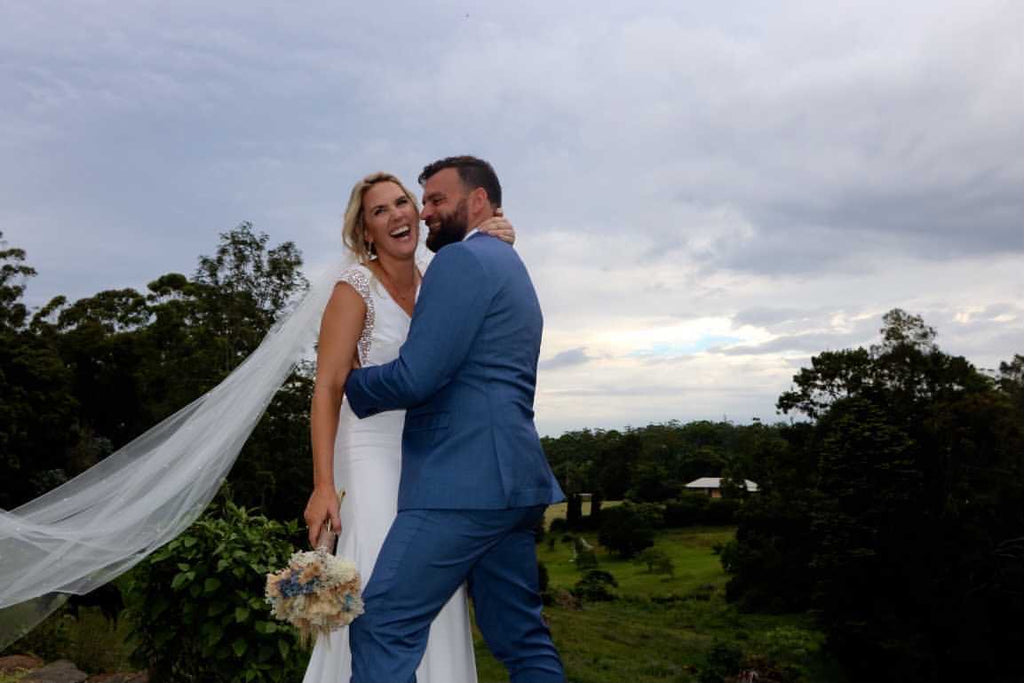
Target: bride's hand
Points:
(322, 506)
(499, 227)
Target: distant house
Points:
(713, 486)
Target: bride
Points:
(366, 321)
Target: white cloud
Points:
(705, 194)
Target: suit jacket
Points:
(466, 375)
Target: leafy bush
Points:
(727, 554)
(49, 640)
(723, 660)
(721, 511)
(656, 561)
(558, 526)
(626, 530)
(703, 592)
(199, 609)
(686, 510)
(785, 651)
(596, 586)
(650, 514)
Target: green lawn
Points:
(662, 626)
(658, 631)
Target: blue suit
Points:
(475, 480)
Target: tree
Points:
(900, 506)
(13, 274)
(36, 404)
(80, 379)
(626, 530)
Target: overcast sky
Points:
(706, 195)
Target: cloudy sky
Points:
(707, 194)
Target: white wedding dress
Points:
(367, 464)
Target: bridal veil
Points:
(109, 518)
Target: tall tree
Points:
(914, 510)
(80, 379)
(36, 404)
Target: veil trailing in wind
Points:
(109, 518)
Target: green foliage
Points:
(686, 510)
(596, 586)
(49, 640)
(37, 407)
(787, 651)
(13, 274)
(198, 603)
(656, 561)
(661, 627)
(727, 555)
(896, 514)
(627, 529)
(721, 511)
(79, 379)
(651, 464)
(692, 508)
(723, 661)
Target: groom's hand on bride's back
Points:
(323, 505)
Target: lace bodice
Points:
(386, 324)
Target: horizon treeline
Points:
(892, 509)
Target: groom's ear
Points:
(478, 201)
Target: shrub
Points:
(703, 592)
(49, 640)
(650, 514)
(686, 510)
(723, 660)
(596, 586)
(198, 603)
(626, 530)
(785, 652)
(657, 561)
(565, 599)
(558, 526)
(727, 554)
(721, 511)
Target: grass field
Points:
(658, 631)
(661, 628)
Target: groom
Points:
(475, 481)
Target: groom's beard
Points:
(449, 228)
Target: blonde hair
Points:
(353, 232)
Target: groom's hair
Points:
(473, 173)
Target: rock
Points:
(137, 677)
(61, 671)
(13, 663)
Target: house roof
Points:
(716, 483)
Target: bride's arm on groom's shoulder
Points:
(499, 227)
(340, 328)
(451, 308)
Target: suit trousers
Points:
(426, 556)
